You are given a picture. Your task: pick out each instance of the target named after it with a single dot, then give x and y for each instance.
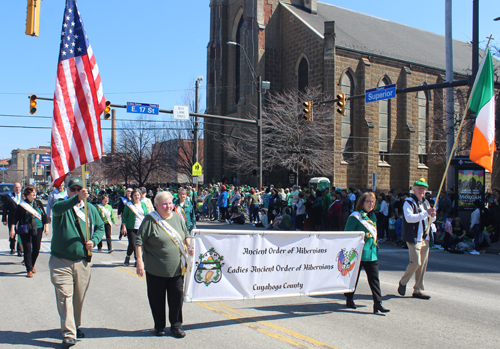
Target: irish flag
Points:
(482, 102)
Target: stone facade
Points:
(276, 39)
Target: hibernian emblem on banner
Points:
(208, 269)
(346, 260)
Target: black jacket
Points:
(9, 210)
(22, 216)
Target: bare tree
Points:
(289, 141)
(138, 157)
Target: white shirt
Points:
(417, 218)
(384, 208)
(53, 197)
(475, 218)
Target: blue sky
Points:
(152, 51)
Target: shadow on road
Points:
(52, 338)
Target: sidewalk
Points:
(494, 248)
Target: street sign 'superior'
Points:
(142, 108)
(380, 93)
(197, 170)
(181, 112)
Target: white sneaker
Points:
(475, 252)
(227, 221)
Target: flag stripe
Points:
(482, 102)
(78, 100)
(486, 118)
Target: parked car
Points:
(5, 189)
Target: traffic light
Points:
(308, 110)
(341, 103)
(32, 104)
(33, 17)
(107, 110)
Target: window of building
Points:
(347, 145)
(384, 123)
(422, 127)
(303, 75)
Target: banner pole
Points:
(87, 234)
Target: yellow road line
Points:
(242, 317)
(277, 327)
(128, 271)
(253, 325)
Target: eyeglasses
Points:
(369, 202)
(73, 189)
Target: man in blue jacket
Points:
(222, 203)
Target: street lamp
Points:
(257, 80)
(497, 19)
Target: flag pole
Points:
(87, 235)
(454, 147)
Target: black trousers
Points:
(131, 235)
(173, 289)
(107, 231)
(13, 241)
(223, 213)
(31, 245)
(371, 269)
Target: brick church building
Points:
(308, 43)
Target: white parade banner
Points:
(235, 264)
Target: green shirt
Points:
(66, 240)
(111, 214)
(128, 217)
(161, 256)
(370, 249)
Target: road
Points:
(464, 310)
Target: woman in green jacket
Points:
(364, 219)
(108, 217)
(131, 221)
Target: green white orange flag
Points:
(482, 102)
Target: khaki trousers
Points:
(419, 256)
(71, 280)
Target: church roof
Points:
(376, 36)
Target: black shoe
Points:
(79, 334)
(178, 333)
(127, 261)
(350, 304)
(401, 289)
(378, 307)
(421, 296)
(19, 253)
(100, 250)
(12, 252)
(159, 332)
(68, 342)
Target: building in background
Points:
(30, 166)
(306, 43)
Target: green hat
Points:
(77, 181)
(421, 183)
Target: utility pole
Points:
(113, 131)
(196, 123)
(450, 104)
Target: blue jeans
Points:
(478, 235)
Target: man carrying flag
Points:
(76, 141)
(482, 102)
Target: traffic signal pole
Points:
(168, 111)
(442, 85)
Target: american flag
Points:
(78, 100)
